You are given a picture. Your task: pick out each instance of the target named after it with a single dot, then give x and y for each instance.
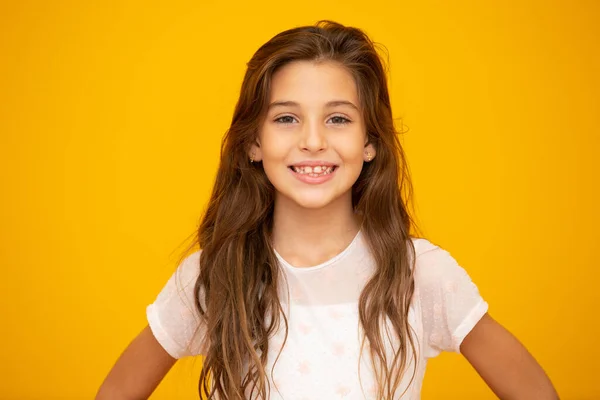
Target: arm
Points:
(138, 371)
(505, 364)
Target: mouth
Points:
(313, 170)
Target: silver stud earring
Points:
(368, 156)
(252, 158)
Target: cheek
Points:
(351, 151)
(275, 152)
(274, 145)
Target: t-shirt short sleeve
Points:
(450, 302)
(173, 317)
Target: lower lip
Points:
(313, 180)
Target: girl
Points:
(308, 284)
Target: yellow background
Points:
(111, 115)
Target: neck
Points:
(307, 237)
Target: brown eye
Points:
(286, 119)
(339, 120)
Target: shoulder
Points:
(450, 303)
(434, 265)
(429, 256)
(189, 267)
(423, 245)
(184, 277)
(173, 317)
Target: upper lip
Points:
(317, 163)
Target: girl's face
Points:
(313, 140)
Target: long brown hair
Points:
(236, 291)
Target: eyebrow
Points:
(333, 103)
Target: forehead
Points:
(313, 83)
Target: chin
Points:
(312, 205)
(312, 202)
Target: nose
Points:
(313, 137)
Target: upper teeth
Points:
(319, 169)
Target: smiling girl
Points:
(309, 284)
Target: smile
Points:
(314, 171)
(313, 174)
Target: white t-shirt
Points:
(321, 356)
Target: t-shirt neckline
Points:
(323, 264)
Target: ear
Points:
(255, 151)
(369, 153)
